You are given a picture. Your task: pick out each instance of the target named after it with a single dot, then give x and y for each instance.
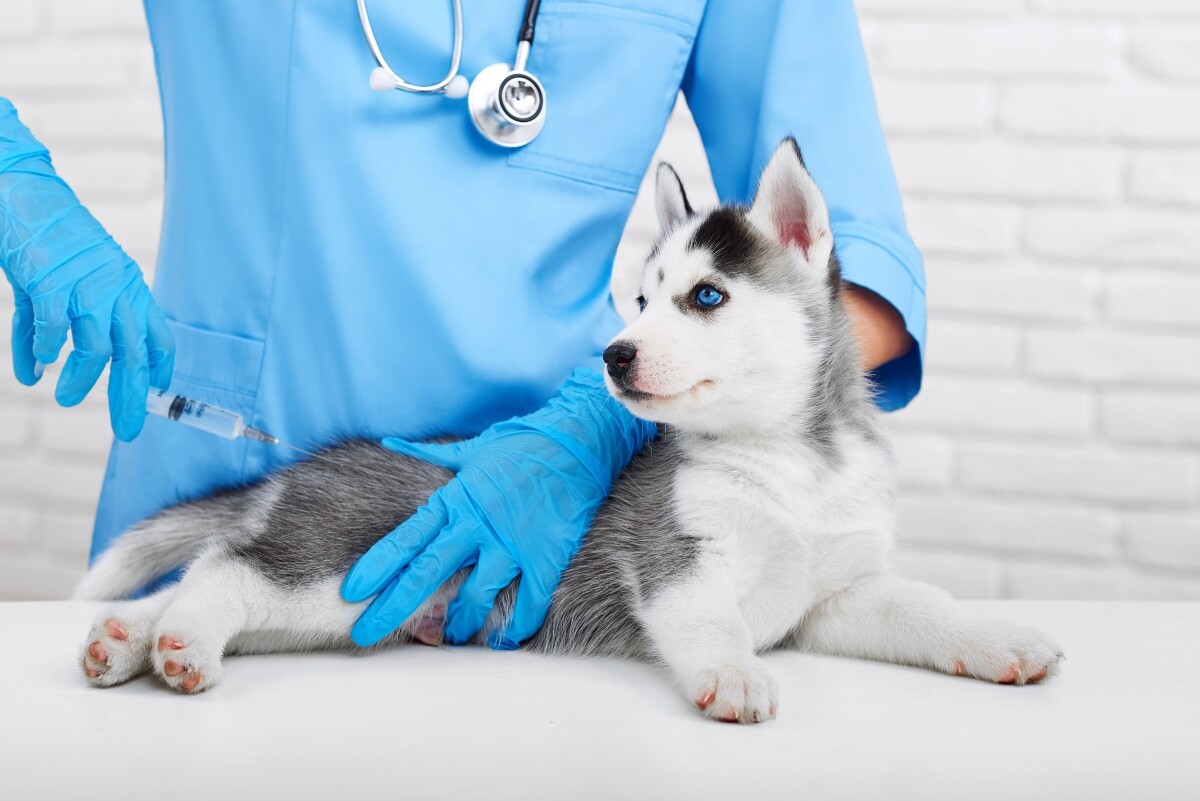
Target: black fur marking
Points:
(662, 275)
(733, 243)
(833, 274)
(820, 425)
(635, 547)
(791, 140)
(334, 507)
(653, 254)
(687, 206)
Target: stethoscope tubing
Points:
(455, 58)
(529, 21)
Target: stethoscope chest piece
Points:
(508, 106)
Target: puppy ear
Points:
(789, 208)
(670, 201)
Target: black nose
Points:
(619, 357)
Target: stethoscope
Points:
(507, 105)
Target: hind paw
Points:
(187, 666)
(1005, 654)
(114, 653)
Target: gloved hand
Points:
(526, 492)
(67, 272)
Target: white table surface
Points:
(1120, 722)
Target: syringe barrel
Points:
(203, 416)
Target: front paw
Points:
(1004, 653)
(740, 690)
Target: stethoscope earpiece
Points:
(382, 80)
(457, 88)
(507, 104)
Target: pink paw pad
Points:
(431, 627)
(1010, 675)
(1041, 674)
(191, 681)
(959, 669)
(166, 643)
(115, 629)
(172, 668)
(96, 651)
(706, 699)
(91, 674)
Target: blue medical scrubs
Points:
(337, 262)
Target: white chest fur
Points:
(788, 525)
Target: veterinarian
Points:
(335, 261)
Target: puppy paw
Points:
(115, 651)
(429, 624)
(1004, 654)
(740, 691)
(188, 666)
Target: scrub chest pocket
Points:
(611, 70)
(218, 368)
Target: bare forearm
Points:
(877, 326)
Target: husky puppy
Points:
(762, 517)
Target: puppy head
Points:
(727, 316)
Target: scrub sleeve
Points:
(808, 58)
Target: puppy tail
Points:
(159, 544)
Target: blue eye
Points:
(708, 297)
(641, 303)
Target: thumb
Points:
(24, 365)
(452, 455)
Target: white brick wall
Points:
(1049, 153)
(81, 74)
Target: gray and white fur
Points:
(762, 517)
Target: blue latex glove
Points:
(526, 492)
(67, 272)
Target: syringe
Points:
(203, 416)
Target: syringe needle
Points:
(250, 432)
(299, 450)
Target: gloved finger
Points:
(529, 612)
(90, 353)
(25, 366)
(470, 608)
(424, 575)
(160, 347)
(387, 557)
(50, 325)
(129, 381)
(452, 455)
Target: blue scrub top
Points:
(337, 262)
